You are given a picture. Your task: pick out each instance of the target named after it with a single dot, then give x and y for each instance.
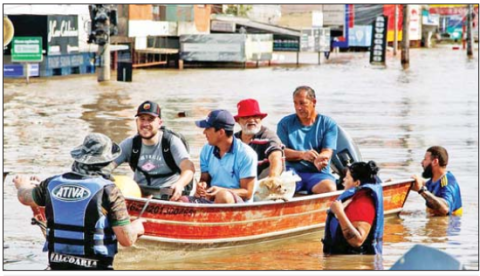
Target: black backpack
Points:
(167, 155)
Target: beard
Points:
(250, 131)
(427, 172)
(149, 136)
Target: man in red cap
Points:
(264, 141)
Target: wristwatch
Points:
(423, 189)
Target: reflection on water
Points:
(393, 115)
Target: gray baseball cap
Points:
(97, 148)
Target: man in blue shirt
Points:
(310, 139)
(441, 192)
(228, 166)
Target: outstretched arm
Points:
(128, 234)
(187, 171)
(436, 203)
(24, 190)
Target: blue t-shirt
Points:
(448, 189)
(238, 163)
(321, 135)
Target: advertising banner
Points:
(213, 47)
(315, 40)
(360, 36)
(27, 49)
(415, 32)
(62, 34)
(379, 40)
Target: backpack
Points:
(167, 153)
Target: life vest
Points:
(75, 222)
(335, 243)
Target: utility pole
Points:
(104, 23)
(469, 32)
(395, 32)
(103, 69)
(405, 60)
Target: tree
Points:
(238, 10)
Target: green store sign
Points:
(27, 49)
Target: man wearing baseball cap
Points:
(229, 167)
(262, 140)
(80, 235)
(160, 160)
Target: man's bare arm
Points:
(436, 203)
(24, 190)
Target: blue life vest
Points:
(75, 222)
(335, 243)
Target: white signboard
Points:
(222, 26)
(415, 32)
(259, 47)
(144, 28)
(333, 15)
(315, 40)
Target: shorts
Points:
(309, 180)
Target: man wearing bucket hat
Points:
(158, 156)
(86, 213)
(228, 166)
(262, 140)
(310, 139)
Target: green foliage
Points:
(238, 10)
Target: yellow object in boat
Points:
(128, 186)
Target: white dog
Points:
(275, 188)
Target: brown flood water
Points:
(392, 114)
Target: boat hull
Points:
(216, 224)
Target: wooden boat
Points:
(216, 224)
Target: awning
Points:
(267, 28)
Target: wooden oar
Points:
(145, 206)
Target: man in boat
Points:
(441, 192)
(86, 213)
(309, 139)
(158, 156)
(355, 221)
(262, 140)
(229, 167)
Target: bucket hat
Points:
(96, 149)
(248, 108)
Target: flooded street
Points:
(392, 114)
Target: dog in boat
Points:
(274, 188)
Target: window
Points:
(159, 12)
